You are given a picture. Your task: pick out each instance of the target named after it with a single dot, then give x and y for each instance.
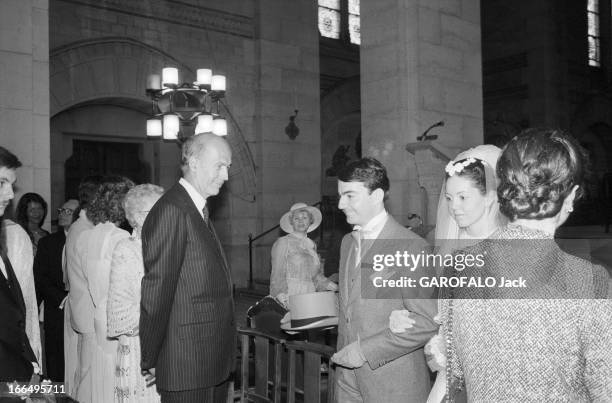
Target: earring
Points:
(570, 209)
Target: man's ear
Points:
(379, 194)
(192, 163)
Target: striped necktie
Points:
(205, 215)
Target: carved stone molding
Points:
(180, 13)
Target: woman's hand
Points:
(435, 352)
(400, 321)
(149, 375)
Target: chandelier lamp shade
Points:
(181, 110)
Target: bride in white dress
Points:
(468, 211)
(123, 311)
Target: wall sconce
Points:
(292, 130)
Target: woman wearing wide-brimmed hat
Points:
(296, 268)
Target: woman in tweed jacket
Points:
(550, 341)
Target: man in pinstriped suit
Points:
(187, 329)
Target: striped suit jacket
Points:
(187, 329)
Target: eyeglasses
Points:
(65, 211)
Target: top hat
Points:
(312, 310)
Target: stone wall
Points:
(24, 86)
(420, 64)
(102, 52)
(287, 75)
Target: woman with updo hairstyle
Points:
(541, 332)
(106, 212)
(541, 174)
(127, 270)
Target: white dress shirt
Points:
(195, 196)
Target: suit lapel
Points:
(221, 252)
(384, 239)
(11, 285)
(206, 231)
(345, 259)
(353, 271)
(383, 242)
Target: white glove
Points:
(435, 352)
(400, 321)
(286, 318)
(283, 299)
(331, 286)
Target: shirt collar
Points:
(373, 228)
(195, 196)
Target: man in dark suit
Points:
(50, 288)
(187, 329)
(17, 360)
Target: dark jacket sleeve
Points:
(47, 287)
(164, 238)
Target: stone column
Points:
(420, 64)
(430, 159)
(24, 92)
(287, 67)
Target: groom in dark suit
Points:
(187, 329)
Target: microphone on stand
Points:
(424, 136)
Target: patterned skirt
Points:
(130, 385)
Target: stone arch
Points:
(113, 71)
(104, 68)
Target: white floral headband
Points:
(453, 167)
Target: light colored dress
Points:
(127, 270)
(100, 242)
(296, 268)
(19, 251)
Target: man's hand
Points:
(149, 375)
(350, 356)
(63, 303)
(400, 321)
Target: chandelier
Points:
(177, 108)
